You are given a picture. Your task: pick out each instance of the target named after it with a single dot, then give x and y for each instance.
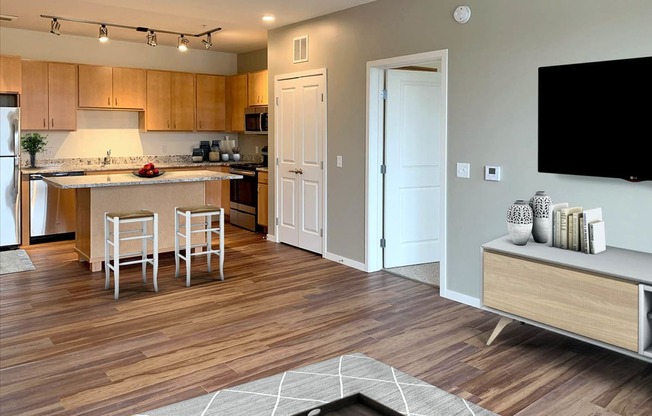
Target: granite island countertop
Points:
(121, 163)
(129, 179)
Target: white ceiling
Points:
(241, 21)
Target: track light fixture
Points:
(151, 38)
(104, 34)
(208, 42)
(182, 42)
(54, 27)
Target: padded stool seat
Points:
(185, 228)
(114, 236)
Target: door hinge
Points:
(383, 94)
(383, 169)
(321, 232)
(276, 221)
(322, 165)
(382, 243)
(276, 100)
(276, 161)
(322, 97)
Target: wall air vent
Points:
(7, 18)
(300, 49)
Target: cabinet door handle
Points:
(168, 124)
(116, 101)
(53, 122)
(200, 124)
(108, 101)
(44, 125)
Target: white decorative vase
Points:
(519, 222)
(540, 204)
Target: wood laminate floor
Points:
(67, 347)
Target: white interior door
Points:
(412, 190)
(300, 133)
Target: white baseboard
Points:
(461, 298)
(345, 261)
(272, 238)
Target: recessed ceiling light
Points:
(268, 18)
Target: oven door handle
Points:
(242, 172)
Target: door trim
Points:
(282, 77)
(374, 154)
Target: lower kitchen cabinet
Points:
(218, 192)
(263, 199)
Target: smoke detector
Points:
(462, 14)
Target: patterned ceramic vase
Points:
(519, 222)
(540, 204)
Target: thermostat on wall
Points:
(492, 173)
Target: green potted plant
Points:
(33, 143)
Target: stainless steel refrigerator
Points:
(9, 171)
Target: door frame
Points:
(282, 77)
(374, 153)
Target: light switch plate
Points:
(492, 173)
(339, 161)
(463, 170)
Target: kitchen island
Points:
(97, 194)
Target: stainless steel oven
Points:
(244, 196)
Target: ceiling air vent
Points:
(300, 49)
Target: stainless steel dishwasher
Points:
(52, 212)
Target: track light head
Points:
(54, 27)
(104, 34)
(151, 38)
(208, 42)
(182, 43)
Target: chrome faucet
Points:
(107, 158)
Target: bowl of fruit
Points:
(148, 171)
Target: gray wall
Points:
(492, 113)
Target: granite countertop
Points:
(129, 179)
(121, 163)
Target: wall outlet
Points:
(164, 149)
(463, 170)
(339, 161)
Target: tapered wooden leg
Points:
(504, 321)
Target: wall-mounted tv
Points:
(595, 119)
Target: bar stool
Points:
(112, 238)
(188, 228)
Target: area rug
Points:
(315, 385)
(425, 273)
(13, 261)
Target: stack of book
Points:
(577, 229)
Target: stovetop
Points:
(249, 166)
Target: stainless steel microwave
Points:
(256, 120)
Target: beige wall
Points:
(252, 61)
(98, 131)
(492, 109)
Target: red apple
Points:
(142, 171)
(150, 172)
(155, 171)
(148, 166)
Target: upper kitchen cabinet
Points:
(236, 102)
(106, 87)
(10, 74)
(170, 101)
(257, 88)
(211, 106)
(49, 96)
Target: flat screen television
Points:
(595, 119)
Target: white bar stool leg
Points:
(143, 255)
(188, 252)
(107, 270)
(209, 241)
(116, 258)
(222, 243)
(176, 243)
(155, 251)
